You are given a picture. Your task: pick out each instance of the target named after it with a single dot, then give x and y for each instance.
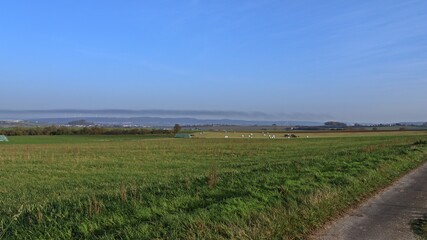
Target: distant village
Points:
(329, 125)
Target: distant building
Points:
(3, 138)
(183, 135)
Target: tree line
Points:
(96, 130)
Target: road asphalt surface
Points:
(389, 215)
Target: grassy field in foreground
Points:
(303, 134)
(72, 139)
(129, 187)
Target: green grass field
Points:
(303, 134)
(62, 187)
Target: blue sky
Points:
(360, 61)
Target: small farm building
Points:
(3, 138)
(183, 135)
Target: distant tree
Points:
(425, 124)
(81, 123)
(335, 124)
(177, 128)
(84, 131)
(95, 130)
(63, 131)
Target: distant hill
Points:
(80, 123)
(166, 122)
(15, 123)
(414, 123)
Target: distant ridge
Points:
(162, 113)
(167, 122)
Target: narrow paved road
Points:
(386, 216)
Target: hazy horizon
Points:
(196, 114)
(353, 61)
